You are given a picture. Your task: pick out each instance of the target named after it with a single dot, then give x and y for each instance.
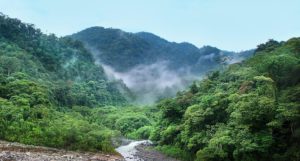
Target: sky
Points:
(233, 25)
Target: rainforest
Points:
(91, 90)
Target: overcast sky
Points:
(227, 24)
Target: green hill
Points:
(43, 81)
(251, 111)
(152, 67)
(123, 50)
(54, 92)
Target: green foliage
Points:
(268, 46)
(174, 152)
(248, 112)
(141, 133)
(169, 134)
(53, 94)
(133, 122)
(61, 65)
(124, 51)
(128, 124)
(44, 126)
(48, 87)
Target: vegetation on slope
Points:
(251, 111)
(153, 68)
(43, 80)
(53, 94)
(123, 51)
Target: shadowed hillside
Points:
(150, 66)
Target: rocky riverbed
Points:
(147, 153)
(20, 152)
(131, 151)
(142, 151)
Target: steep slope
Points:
(124, 51)
(57, 60)
(47, 86)
(149, 65)
(251, 111)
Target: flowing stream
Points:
(128, 151)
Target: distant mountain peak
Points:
(137, 58)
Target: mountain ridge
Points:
(126, 50)
(149, 60)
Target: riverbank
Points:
(142, 151)
(15, 152)
(147, 153)
(134, 151)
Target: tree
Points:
(9, 65)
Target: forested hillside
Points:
(251, 111)
(123, 51)
(55, 92)
(152, 67)
(44, 80)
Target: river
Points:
(129, 151)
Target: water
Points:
(128, 151)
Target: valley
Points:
(150, 66)
(77, 97)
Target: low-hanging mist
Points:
(150, 66)
(152, 82)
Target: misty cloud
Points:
(235, 59)
(155, 81)
(152, 82)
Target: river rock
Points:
(20, 152)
